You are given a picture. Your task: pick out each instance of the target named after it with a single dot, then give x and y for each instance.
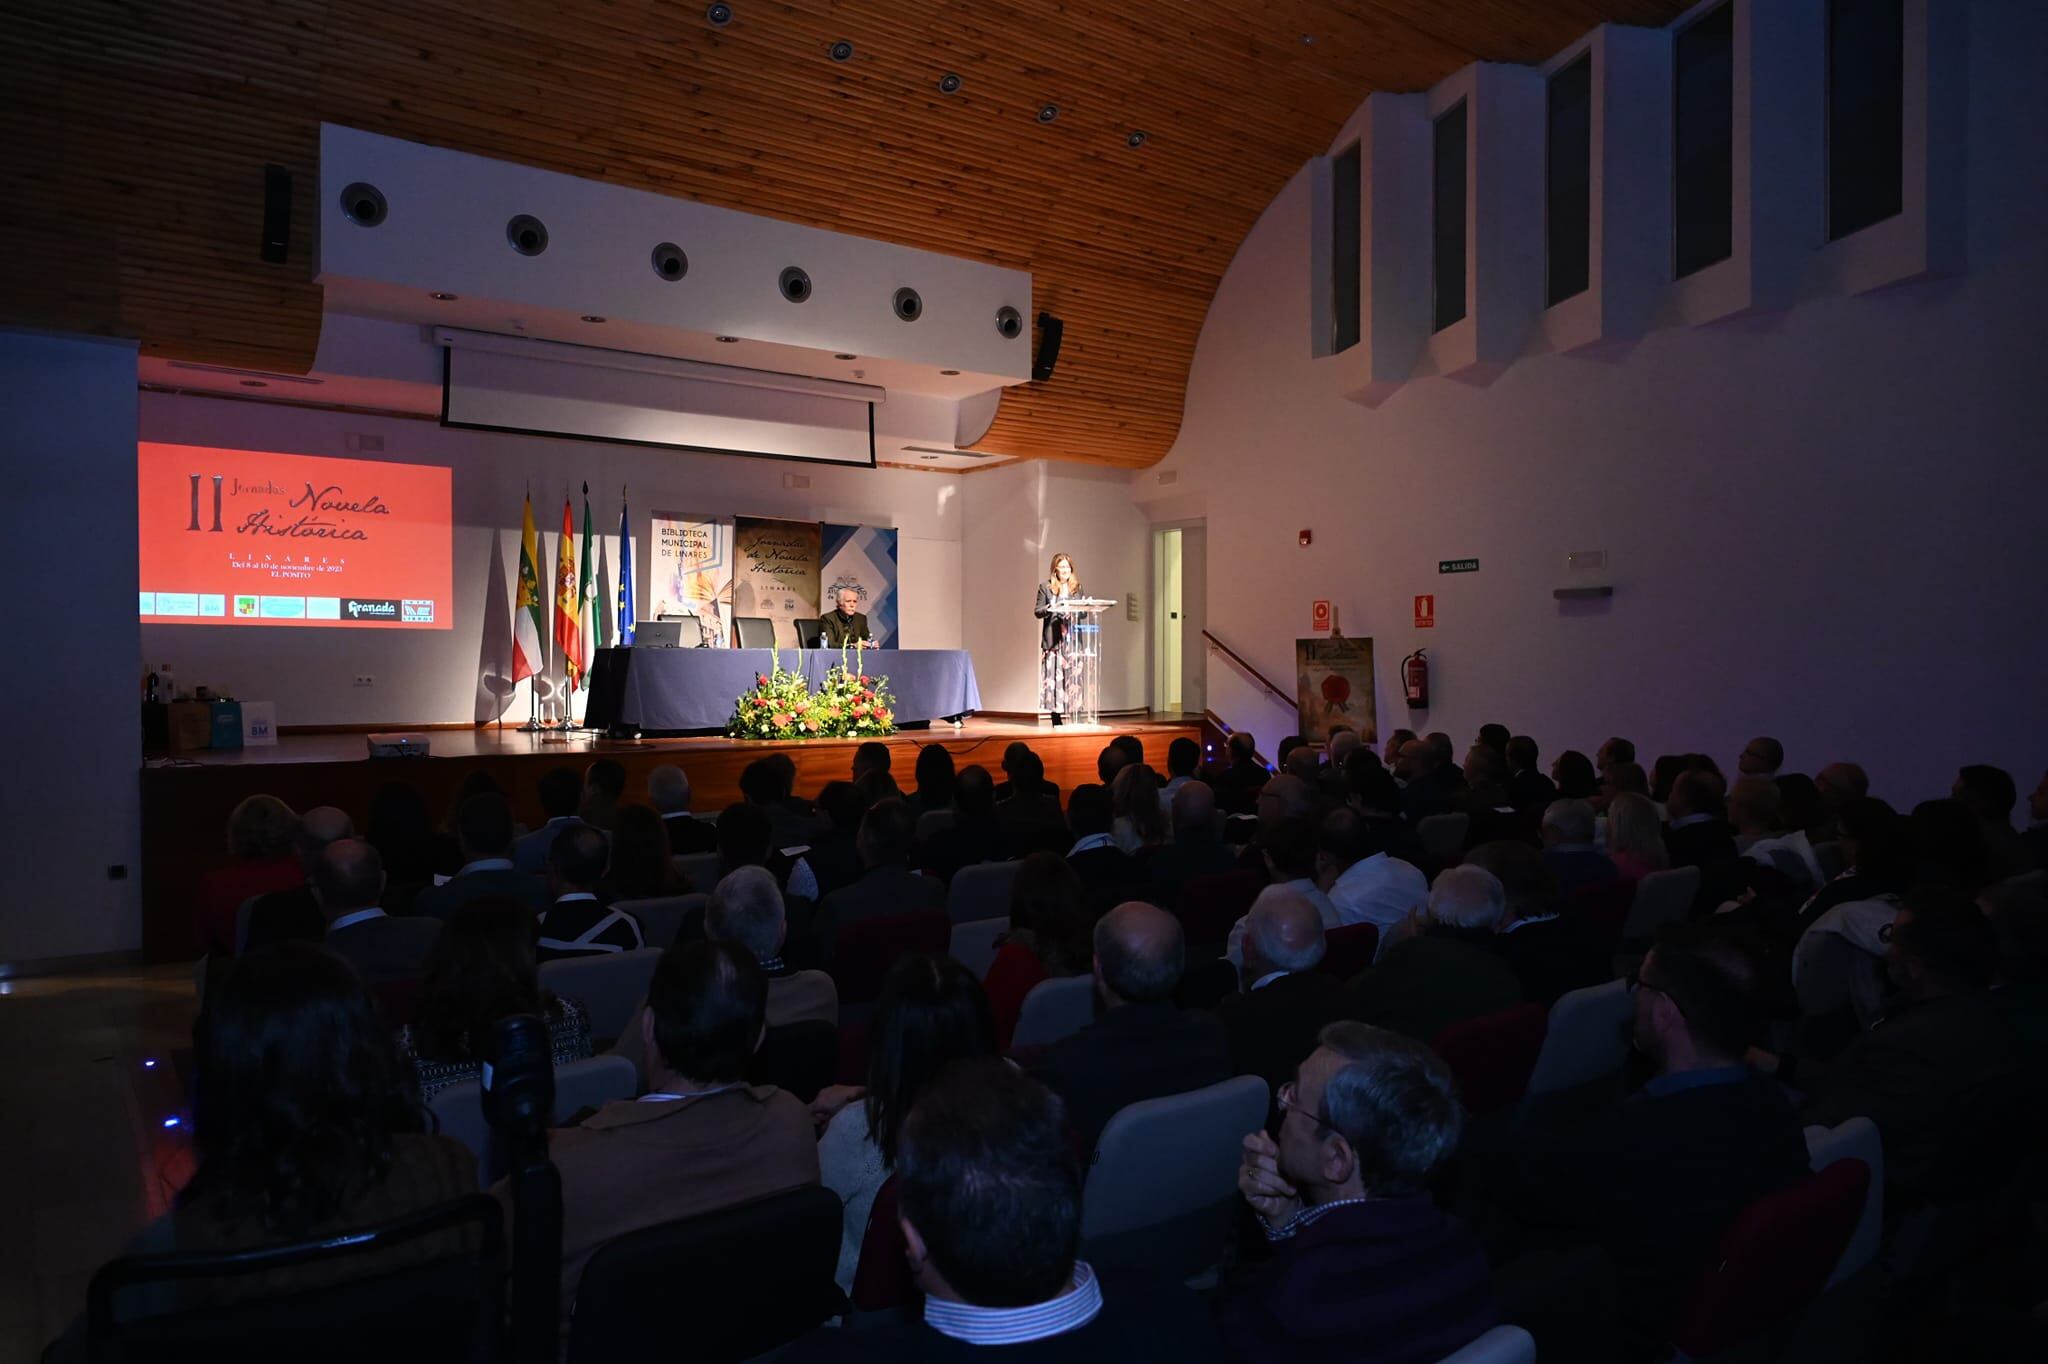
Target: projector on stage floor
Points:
(398, 745)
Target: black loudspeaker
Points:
(277, 214)
(1050, 330)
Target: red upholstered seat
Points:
(1773, 1260)
(869, 946)
(1605, 905)
(1349, 950)
(881, 1279)
(1494, 1055)
(1210, 904)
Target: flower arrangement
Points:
(781, 705)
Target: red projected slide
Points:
(244, 537)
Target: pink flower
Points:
(781, 717)
(760, 679)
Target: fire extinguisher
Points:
(1415, 680)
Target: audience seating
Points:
(932, 823)
(1792, 867)
(1663, 897)
(609, 986)
(1846, 1322)
(1162, 1187)
(1773, 1261)
(244, 912)
(396, 1000)
(663, 919)
(701, 870)
(1210, 904)
(1584, 1047)
(981, 891)
(1605, 905)
(881, 1277)
(725, 1286)
(1350, 949)
(869, 946)
(1501, 1345)
(450, 1308)
(754, 632)
(974, 944)
(1054, 1009)
(1494, 1055)
(459, 1109)
(1855, 1139)
(1443, 836)
(799, 1057)
(1829, 855)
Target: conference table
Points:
(681, 691)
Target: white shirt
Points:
(1166, 792)
(356, 916)
(1795, 843)
(1263, 981)
(1093, 841)
(1379, 890)
(1303, 887)
(486, 864)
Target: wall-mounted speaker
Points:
(909, 306)
(277, 215)
(1050, 332)
(1009, 323)
(795, 283)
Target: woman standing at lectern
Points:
(1060, 681)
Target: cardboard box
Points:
(191, 726)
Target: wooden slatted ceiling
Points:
(134, 135)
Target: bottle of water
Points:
(167, 683)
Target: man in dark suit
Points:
(1441, 973)
(561, 797)
(1015, 765)
(668, 790)
(483, 829)
(887, 885)
(348, 881)
(294, 915)
(1237, 785)
(1568, 848)
(1657, 1182)
(579, 923)
(1528, 788)
(1364, 1264)
(834, 852)
(1109, 875)
(990, 1199)
(1433, 784)
(1140, 1046)
(1195, 850)
(1551, 953)
(1284, 1002)
(1698, 833)
(845, 625)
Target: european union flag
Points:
(625, 626)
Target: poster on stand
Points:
(775, 573)
(689, 573)
(1333, 686)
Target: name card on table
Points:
(259, 723)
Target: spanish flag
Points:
(567, 632)
(528, 612)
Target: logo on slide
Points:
(245, 607)
(358, 608)
(418, 612)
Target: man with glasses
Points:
(1365, 1266)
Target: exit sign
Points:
(1457, 565)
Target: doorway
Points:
(1179, 601)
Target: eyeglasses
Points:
(1288, 1104)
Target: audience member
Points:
(1107, 872)
(448, 858)
(1396, 741)
(990, 1201)
(701, 1139)
(2018, 911)
(931, 1013)
(1377, 798)
(643, 866)
(604, 786)
(1013, 764)
(577, 923)
(1442, 969)
(402, 832)
(1663, 775)
(561, 795)
(1551, 952)
(1047, 937)
(1837, 784)
(1948, 845)
(1657, 1181)
(768, 786)
(1485, 800)
(1289, 850)
(1698, 834)
(1140, 1045)
(1990, 794)
(1760, 757)
(1496, 738)
(746, 909)
(483, 968)
(1756, 809)
(1136, 820)
(1615, 750)
(1573, 776)
(871, 765)
(1799, 807)
(1568, 848)
(1283, 1001)
(1365, 1267)
(1364, 883)
(1528, 788)
(348, 882)
(746, 839)
(1030, 814)
(1108, 763)
(935, 779)
(887, 884)
(834, 851)
(1305, 763)
(1635, 838)
(668, 788)
(1237, 785)
(976, 834)
(1183, 761)
(1131, 746)
(1195, 851)
(1877, 858)
(483, 831)
(1433, 783)
(1620, 779)
(292, 914)
(262, 834)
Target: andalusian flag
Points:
(529, 609)
(624, 631)
(566, 632)
(586, 600)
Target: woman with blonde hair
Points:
(1635, 836)
(1062, 684)
(1140, 818)
(262, 858)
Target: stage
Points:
(186, 800)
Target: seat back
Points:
(1211, 903)
(451, 1306)
(661, 919)
(1663, 897)
(1604, 905)
(754, 632)
(810, 632)
(1792, 867)
(932, 822)
(1162, 1187)
(701, 869)
(868, 946)
(1586, 1039)
(590, 1083)
(746, 1280)
(881, 1277)
(1494, 1055)
(1349, 949)
(1443, 836)
(974, 944)
(244, 912)
(1501, 1345)
(1773, 1260)
(1829, 855)
(1855, 1139)
(798, 1057)
(1054, 1009)
(609, 986)
(981, 891)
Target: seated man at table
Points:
(847, 624)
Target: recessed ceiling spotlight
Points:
(949, 84)
(1048, 112)
(728, 339)
(841, 51)
(592, 317)
(440, 297)
(844, 356)
(1135, 141)
(719, 15)
(255, 383)
(949, 371)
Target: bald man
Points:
(1141, 1044)
(293, 915)
(348, 882)
(1285, 1002)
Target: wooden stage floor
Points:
(186, 800)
